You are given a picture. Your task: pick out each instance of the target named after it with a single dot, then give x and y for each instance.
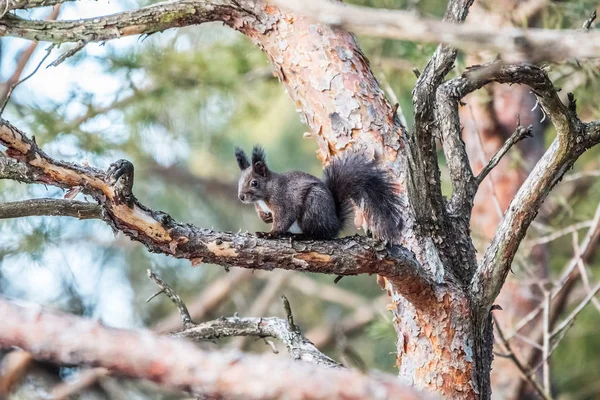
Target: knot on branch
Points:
(120, 176)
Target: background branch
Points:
(66, 339)
(50, 207)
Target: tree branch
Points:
(573, 138)
(298, 346)
(519, 134)
(146, 20)
(160, 233)
(512, 43)
(66, 339)
(51, 207)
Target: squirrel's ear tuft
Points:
(242, 158)
(260, 168)
(258, 154)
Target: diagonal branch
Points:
(519, 134)
(173, 363)
(161, 234)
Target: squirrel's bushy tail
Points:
(354, 177)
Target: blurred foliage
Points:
(176, 104)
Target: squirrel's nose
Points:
(241, 196)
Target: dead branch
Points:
(208, 301)
(289, 334)
(66, 339)
(519, 134)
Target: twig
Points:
(14, 85)
(489, 167)
(208, 301)
(25, 56)
(524, 373)
(288, 313)
(69, 53)
(588, 22)
(276, 281)
(519, 134)
(583, 270)
(559, 233)
(166, 289)
(562, 287)
(576, 311)
(546, 339)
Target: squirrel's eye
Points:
(254, 183)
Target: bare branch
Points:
(23, 59)
(522, 369)
(298, 346)
(174, 297)
(208, 301)
(50, 207)
(512, 43)
(568, 320)
(519, 134)
(14, 85)
(66, 339)
(573, 138)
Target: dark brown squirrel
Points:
(300, 203)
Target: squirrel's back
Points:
(355, 178)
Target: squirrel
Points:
(302, 204)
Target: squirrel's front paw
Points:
(120, 176)
(264, 235)
(267, 217)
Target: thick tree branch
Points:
(160, 233)
(573, 138)
(50, 207)
(146, 20)
(513, 44)
(66, 339)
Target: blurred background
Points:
(176, 104)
